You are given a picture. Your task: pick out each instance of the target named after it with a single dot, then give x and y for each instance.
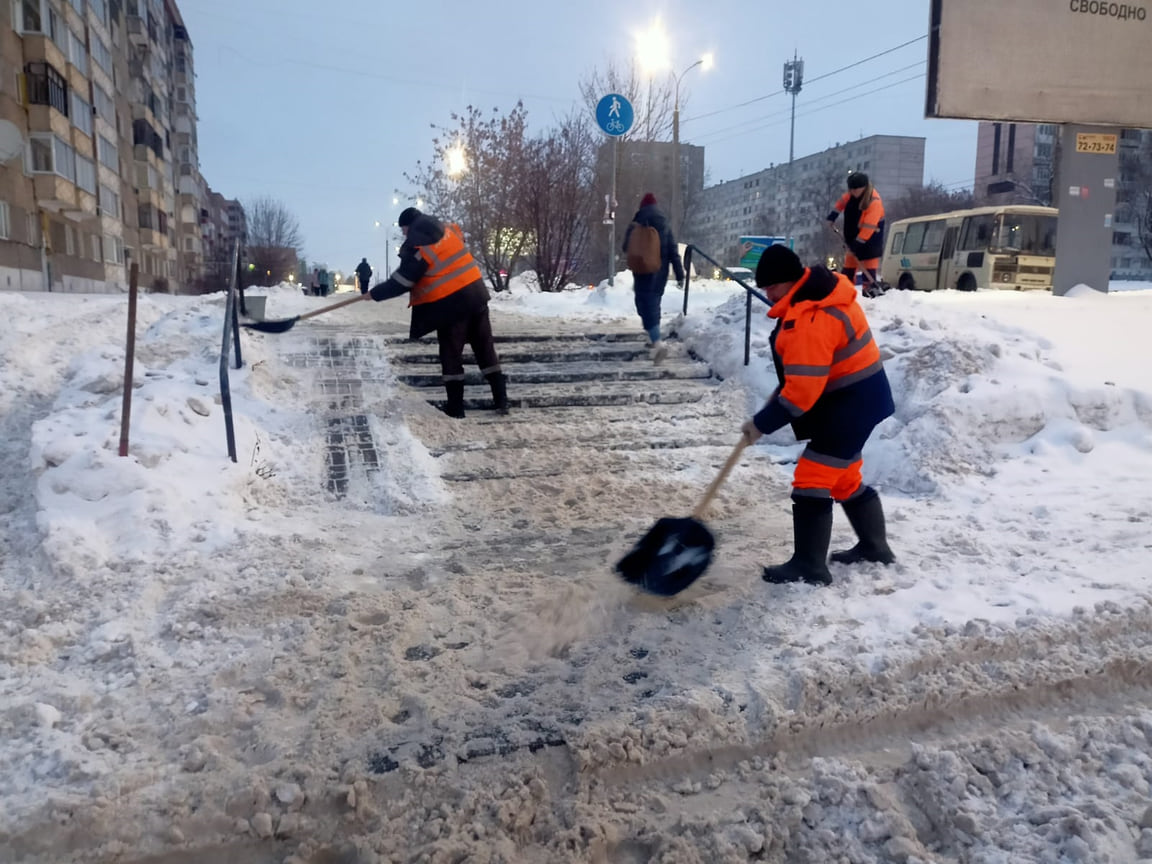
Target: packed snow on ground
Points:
(163, 615)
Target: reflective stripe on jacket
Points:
(450, 268)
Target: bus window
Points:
(977, 233)
(1027, 233)
(914, 238)
(934, 236)
(897, 243)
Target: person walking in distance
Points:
(833, 391)
(863, 229)
(447, 294)
(364, 275)
(650, 249)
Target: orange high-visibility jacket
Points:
(865, 227)
(831, 376)
(450, 268)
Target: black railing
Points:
(231, 329)
(751, 292)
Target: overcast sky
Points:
(324, 105)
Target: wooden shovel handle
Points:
(358, 298)
(698, 513)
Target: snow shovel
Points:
(285, 324)
(676, 552)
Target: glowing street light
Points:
(654, 49)
(456, 160)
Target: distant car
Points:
(744, 274)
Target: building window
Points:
(86, 174)
(77, 53)
(31, 20)
(40, 154)
(109, 201)
(113, 249)
(46, 86)
(81, 114)
(100, 10)
(78, 5)
(100, 54)
(97, 255)
(105, 108)
(69, 241)
(108, 154)
(65, 159)
(5, 227)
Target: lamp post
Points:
(705, 63)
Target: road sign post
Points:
(614, 115)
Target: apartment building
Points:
(793, 201)
(100, 96)
(1016, 163)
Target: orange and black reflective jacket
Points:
(450, 268)
(832, 380)
(863, 231)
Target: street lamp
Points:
(456, 160)
(654, 54)
(705, 63)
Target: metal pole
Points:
(791, 170)
(129, 358)
(676, 163)
(225, 391)
(612, 213)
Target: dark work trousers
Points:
(364, 286)
(476, 330)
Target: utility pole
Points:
(793, 79)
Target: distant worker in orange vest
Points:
(863, 228)
(448, 295)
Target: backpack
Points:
(643, 252)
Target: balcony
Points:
(137, 30)
(54, 192)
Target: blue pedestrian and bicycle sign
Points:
(614, 115)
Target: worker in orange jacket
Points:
(863, 227)
(833, 390)
(447, 294)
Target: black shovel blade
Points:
(281, 326)
(670, 557)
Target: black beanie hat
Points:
(408, 216)
(778, 264)
(857, 180)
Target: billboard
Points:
(1042, 61)
(751, 248)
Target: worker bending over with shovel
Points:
(833, 391)
(447, 294)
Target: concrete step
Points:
(543, 336)
(587, 394)
(574, 352)
(569, 373)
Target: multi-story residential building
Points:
(101, 94)
(793, 200)
(1017, 163)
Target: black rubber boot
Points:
(455, 405)
(866, 514)
(812, 529)
(499, 384)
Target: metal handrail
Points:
(231, 329)
(750, 293)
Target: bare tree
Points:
(559, 186)
(1134, 195)
(652, 99)
(817, 195)
(927, 200)
(274, 240)
(487, 196)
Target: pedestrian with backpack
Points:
(650, 249)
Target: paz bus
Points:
(1011, 247)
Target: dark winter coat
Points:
(427, 317)
(669, 251)
(364, 271)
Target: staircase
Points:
(558, 370)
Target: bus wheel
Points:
(967, 283)
(906, 283)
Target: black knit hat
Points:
(857, 180)
(778, 264)
(407, 216)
